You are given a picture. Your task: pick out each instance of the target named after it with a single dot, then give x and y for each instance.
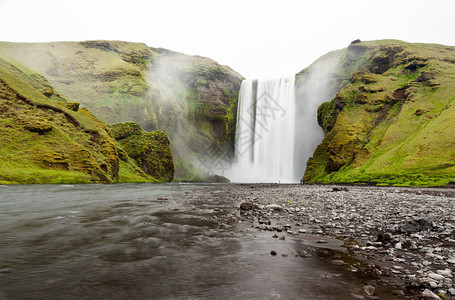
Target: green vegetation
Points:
(193, 99)
(46, 139)
(150, 150)
(390, 122)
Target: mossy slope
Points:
(150, 150)
(191, 98)
(46, 139)
(392, 119)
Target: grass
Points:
(156, 88)
(30, 174)
(44, 141)
(396, 146)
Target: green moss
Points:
(150, 150)
(373, 133)
(46, 141)
(191, 98)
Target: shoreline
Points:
(404, 235)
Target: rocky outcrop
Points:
(390, 120)
(150, 150)
(191, 98)
(46, 139)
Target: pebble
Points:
(435, 276)
(302, 253)
(452, 291)
(338, 262)
(273, 253)
(429, 295)
(274, 207)
(368, 290)
(445, 273)
(410, 227)
(398, 293)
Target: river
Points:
(150, 241)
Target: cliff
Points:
(191, 98)
(391, 119)
(44, 138)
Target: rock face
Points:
(390, 121)
(46, 139)
(150, 150)
(193, 99)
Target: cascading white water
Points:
(277, 127)
(264, 144)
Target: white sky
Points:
(257, 38)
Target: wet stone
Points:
(398, 293)
(338, 262)
(369, 290)
(429, 295)
(246, 206)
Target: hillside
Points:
(391, 119)
(193, 99)
(44, 138)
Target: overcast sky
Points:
(257, 38)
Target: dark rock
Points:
(161, 198)
(356, 41)
(397, 293)
(273, 252)
(369, 290)
(399, 94)
(246, 206)
(219, 179)
(372, 298)
(425, 77)
(340, 189)
(384, 238)
(411, 226)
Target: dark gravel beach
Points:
(404, 236)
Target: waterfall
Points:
(264, 143)
(277, 128)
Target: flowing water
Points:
(265, 132)
(149, 241)
(277, 128)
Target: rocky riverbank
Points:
(403, 236)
